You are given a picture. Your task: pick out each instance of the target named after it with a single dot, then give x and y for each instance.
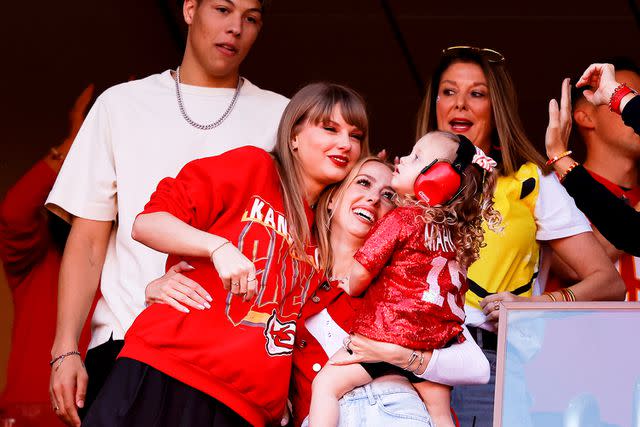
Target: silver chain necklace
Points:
(210, 125)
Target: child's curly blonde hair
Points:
(464, 215)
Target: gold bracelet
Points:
(554, 159)
(214, 251)
(550, 295)
(569, 169)
(573, 296)
(566, 295)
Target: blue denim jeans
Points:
(474, 403)
(387, 401)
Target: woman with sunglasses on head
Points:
(471, 93)
(617, 221)
(348, 212)
(243, 221)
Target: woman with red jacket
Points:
(243, 221)
(348, 212)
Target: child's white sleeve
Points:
(458, 364)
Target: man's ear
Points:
(583, 118)
(189, 9)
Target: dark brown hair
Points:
(508, 134)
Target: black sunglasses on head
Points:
(492, 55)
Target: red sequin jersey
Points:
(417, 298)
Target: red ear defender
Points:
(437, 183)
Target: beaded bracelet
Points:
(562, 176)
(558, 157)
(60, 358)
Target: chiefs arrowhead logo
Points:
(280, 336)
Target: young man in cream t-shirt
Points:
(136, 134)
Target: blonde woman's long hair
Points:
(511, 147)
(324, 215)
(313, 104)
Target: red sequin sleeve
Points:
(381, 242)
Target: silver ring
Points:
(235, 284)
(496, 306)
(56, 409)
(251, 279)
(346, 342)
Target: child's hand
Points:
(286, 416)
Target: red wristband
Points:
(618, 93)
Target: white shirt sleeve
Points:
(556, 213)
(86, 184)
(458, 364)
(326, 331)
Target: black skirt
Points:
(137, 394)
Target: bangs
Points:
(351, 106)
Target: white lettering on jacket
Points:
(263, 213)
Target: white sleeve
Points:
(556, 213)
(86, 184)
(458, 364)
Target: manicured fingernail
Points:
(208, 297)
(191, 267)
(200, 307)
(80, 403)
(185, 309)
(207, 305)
